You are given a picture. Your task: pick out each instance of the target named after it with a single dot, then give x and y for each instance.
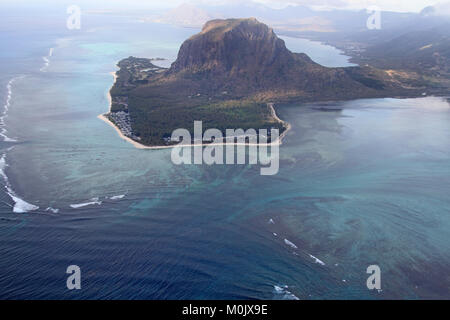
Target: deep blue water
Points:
(361, 182)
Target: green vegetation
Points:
(153, 124)
(157, 110)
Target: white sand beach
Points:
(138, 145)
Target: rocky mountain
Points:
(238, 50)
(246, 58)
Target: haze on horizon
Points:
(385, 5)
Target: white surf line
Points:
(53, 210)
(293, 246)
(104, 117)
(93, 201)
(47, 60)
(96, 201)
(20, 205)
(283, 290)
(6, 106)
(117, 197)
(316, 260)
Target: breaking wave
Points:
(4, 113)
(20, 205)
(92, 202)
(47, 60)
(291, 244)
(316, 260)
(282, 292)
(53, 210)
(117, 197)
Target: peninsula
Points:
(229, 76)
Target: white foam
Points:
(52, 210)
(2, 168)
(278, 289)
(117, 197)
(286, 294)
(6, 138)
(4, 113)
(20, 205)
(316, 260)
(46, 60)
(271, 221)
(291, 244)
(93, 202)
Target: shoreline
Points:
(138, 145)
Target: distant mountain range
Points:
(298, 18)
(423, 51)
(291, 18)
(186, 15)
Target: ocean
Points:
(361, 183)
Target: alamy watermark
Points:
(73, 22)
(374, 280)
(211, 147)
(74, 280)
(374, 20)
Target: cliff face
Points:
(240, 55)
(232, 47)
(245, 57)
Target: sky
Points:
(391, 5)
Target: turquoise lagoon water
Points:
(360, 183)
(323, 54)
